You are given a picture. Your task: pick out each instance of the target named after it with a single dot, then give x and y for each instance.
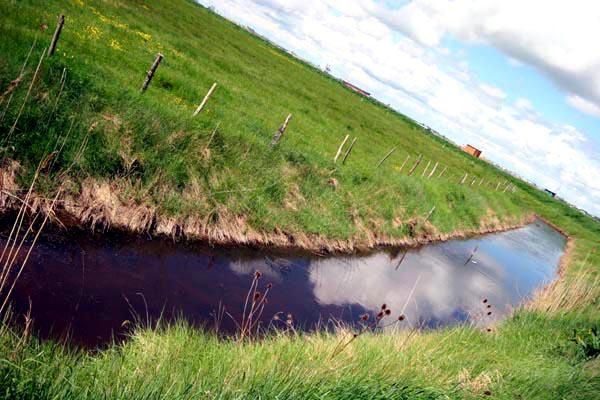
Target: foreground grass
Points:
(530, 357)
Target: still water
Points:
(87, 287)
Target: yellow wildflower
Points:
(175, 52)
(115, 44)
(93, 32)
(146, 36)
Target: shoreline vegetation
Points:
(99, 209)
(83, 147)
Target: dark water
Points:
(88, 287)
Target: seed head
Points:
(489, 306)
(388, 311)
(257, 296)
(269, 285)
(401, 318)
(383, 306)
(489, 313)
(364, 317)
(257, 274)
(380, 315)
(487, 393)
(485, 301)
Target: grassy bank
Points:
(141, 162)
(532, 356)
(147, 159)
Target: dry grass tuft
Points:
(12, 86)
(479, 384)
(568, 292)
(293, 199)
(99, 207)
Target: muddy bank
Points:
(97, 206)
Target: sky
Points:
(519, 80)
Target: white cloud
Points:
(556, 37)
(492, 91)
(583, 105)
(433, 283)
(524, 104)
(428, 285)
(360, 41)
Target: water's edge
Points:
(98, 208)
(90, 284)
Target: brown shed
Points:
(472, 150)
(356, 89)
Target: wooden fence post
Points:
(429, 214)
(281, 130)
(498, 185)
(473, 181)
(414, 167)
(401, 259)
(464, 178)
(404, 163)
(433, 170)
(442, 173)
(56, 36)
(151, 72)
(212, 135)
(339, 151)
(426, 167)
(386, 157)
(201, 106)
(348, 151)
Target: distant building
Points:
(472, 150)
(550, 192)
(356, 89)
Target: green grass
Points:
(153, 153)
(531, 357)
(284, 188)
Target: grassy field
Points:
(142, 162)
(151, 150)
